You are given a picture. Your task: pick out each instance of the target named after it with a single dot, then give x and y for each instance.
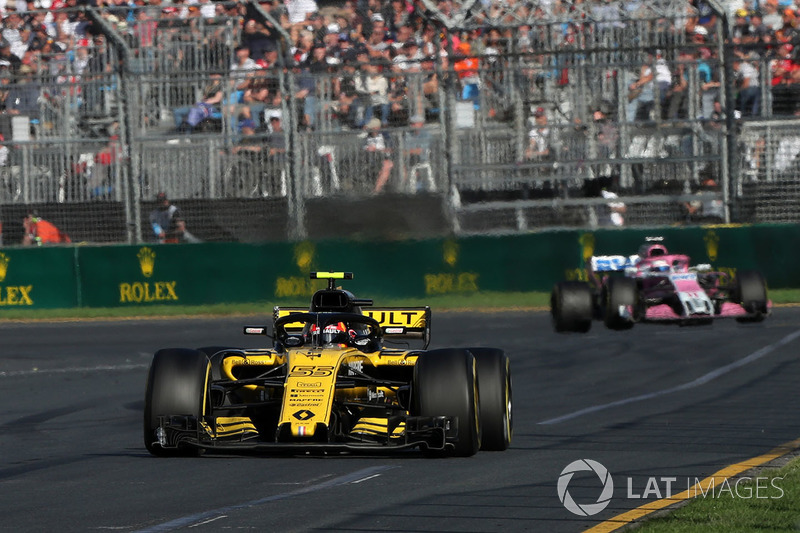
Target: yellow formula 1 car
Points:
(329, 383)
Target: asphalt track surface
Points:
(655, 401)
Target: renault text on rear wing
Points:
(396, 322)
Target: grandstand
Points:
(273, 121)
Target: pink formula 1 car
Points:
(656, 285)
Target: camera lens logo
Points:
(585, 465)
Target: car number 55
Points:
(302, 371)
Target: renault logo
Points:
(303, 414)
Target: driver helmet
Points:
(659, 266)
(331, 334)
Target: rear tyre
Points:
(571, 307)
(620, 292)
(445, 384)
(751, 291)
(494, 390)
(176, 385)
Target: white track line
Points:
(364, 479)
(204, 522)
(702, 380)
(211, 514)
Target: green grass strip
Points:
(483, 301)
(739, 510)
(476, 301)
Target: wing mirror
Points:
(257, 330)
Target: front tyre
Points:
(494, 390)
(176, 385)
(445, 384)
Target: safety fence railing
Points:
(348, 163)
(769, 186)
(61, 172)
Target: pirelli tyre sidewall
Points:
(445, 384)
(571, 307)
(494, 390)
(176, 385)
(751, 292)
(619, 291)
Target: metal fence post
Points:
(731, 174)
(133, 215)
(295, 192)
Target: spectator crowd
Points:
(359, 59)
(372, 65)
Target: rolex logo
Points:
(304, 255)
(587, 242)
(147, 260)
(712, 245)
(450, 253)
(4, 260)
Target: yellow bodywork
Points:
(309, 390)
(310, 386)
(378, 426)
(228, 426)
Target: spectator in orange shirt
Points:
(467, 70)
(39, 231)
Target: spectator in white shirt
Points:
(749, 86)
(299, 10)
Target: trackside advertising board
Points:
(208, 273)
(38, 278)
(190, 274)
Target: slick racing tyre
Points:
(445, 384)
(176, 385)
(571, 307)
(620, 292)
(751, 291)
(494, 391)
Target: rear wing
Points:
(403, 322)
(397, 323)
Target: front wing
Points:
(239, 434)
(665, 313)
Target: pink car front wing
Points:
(728, 310)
